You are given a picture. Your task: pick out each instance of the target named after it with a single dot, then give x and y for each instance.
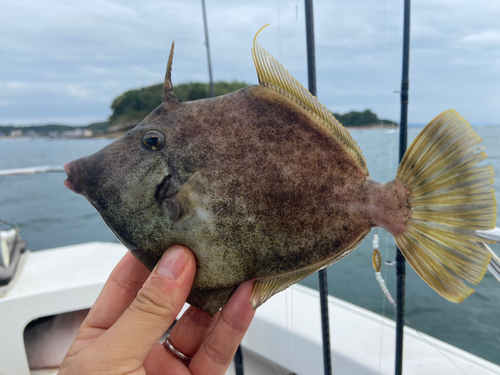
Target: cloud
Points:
(488, 37)
(76, 56)
(85, 91)
(14, 85)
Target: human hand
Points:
(135, 308)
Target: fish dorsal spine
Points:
(273, 75)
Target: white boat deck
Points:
(285, 334)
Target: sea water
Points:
(50, 216)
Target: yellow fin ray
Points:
(266, 288)
(427, 267)
(272, 74)
(447, 183)
(450, 198)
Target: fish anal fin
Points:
(273, 75)
(265, 288)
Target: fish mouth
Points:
(71, 170)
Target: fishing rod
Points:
(238, 357)
(212, 90)
(323, 283)
(403, 142)
(494, 265)
(30, 170)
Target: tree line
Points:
(133, 106)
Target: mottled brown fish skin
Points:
(281, 192)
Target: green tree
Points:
(365, 118)
(133, 106)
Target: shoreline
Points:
(368, 127)
(118, 134)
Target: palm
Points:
(120, 335)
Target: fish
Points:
(264, 183)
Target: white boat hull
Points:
(284, 336)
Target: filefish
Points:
(264, 183)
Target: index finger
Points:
(118, 293)
(216, 353)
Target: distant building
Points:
(87, 133)
(77, 133)
(16, 133)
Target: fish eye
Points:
(153, 140)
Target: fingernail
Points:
(172, 263)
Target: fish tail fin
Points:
(450, 197)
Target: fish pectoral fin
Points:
(265, 288)
(189, 196)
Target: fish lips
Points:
(71, 183)
(76, 182)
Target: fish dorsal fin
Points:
(168, 89)
(272, 74)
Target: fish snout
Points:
(71, 170)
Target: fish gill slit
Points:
(162, 190)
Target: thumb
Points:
(154, 309)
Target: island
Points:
(133, 106)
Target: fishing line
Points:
(392, 172)
(387, 239)
(291, 324)
(288, 307)
(279, 31)
(380, 279)
(296, 51)
(407, 322)
(382, 320)
(377, 263)
(377, 270)
(287, 331)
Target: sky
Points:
(64, 61)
